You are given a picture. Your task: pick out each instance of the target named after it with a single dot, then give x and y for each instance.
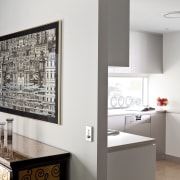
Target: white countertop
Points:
(115, 112)
(126, 141)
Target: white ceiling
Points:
(146, 15)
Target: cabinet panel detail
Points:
(4, 173)
(51, 172)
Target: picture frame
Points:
(30, 73)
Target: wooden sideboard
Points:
(27, 159)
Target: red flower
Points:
(162, 101)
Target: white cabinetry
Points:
(136, 163)
(158, 129)
(138, 124)
(146, 52)
(116, 122)
(118, 33)
(154, 126)
(173, 134)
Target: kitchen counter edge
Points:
(133, 141)
(121, 112)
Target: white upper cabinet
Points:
(146, 52)
(118, 33)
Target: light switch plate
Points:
(89, 133)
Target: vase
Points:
(161, 108)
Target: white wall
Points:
(167, 85)
(79, 76)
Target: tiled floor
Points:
(167, 170)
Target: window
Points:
(51, 74)
(127, 92)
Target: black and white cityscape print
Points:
(28, 73)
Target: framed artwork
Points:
(30, 73)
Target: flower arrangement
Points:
(162, 101)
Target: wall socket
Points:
(89, 133)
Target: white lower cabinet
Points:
(116, 123)
(173, 135)
(155, 128)
(136, 163)
(158, 131)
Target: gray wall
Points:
(82, 103)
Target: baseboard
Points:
(160, 156)
(172, 158)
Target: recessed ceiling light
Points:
(173, 14)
